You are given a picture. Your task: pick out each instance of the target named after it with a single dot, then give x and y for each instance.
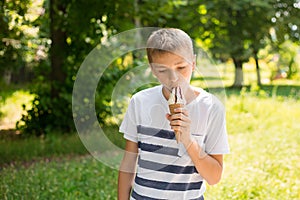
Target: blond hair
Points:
(170, 40)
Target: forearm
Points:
(124, 185)
(208, 166)
(127, 170)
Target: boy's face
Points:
(172, 70)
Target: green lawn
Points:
(264, 135)
(78, 178)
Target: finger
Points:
(179, 123)
(181, 110)
(176, 116)
(169, 117)
(180, 116)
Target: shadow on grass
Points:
(209, 78)
(292, 91)
(17, 148)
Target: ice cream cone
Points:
(172, 108)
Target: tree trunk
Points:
(7, 76)
(291, 71)
(58, 46)
(257, 69)
(239, 77)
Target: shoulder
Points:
(147, 94)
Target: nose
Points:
(173, 76)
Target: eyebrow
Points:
(164, 66)
(160, 65)
(180, 62)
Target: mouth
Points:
(169, 88)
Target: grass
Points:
(80, 178)
(16, 149)
(264, 160)
(264, 137)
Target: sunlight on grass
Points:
(264, 159)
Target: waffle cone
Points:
(172, 108)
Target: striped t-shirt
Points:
(164, 169)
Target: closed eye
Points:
(181, 67)
(162, 71)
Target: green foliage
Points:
(10, 36)
(51, 109)
(287, 53)
(106, 85)
(83, 29)
(85, 25)
(47, 114)
(69, 30)
(238, 30)
(20, 47)
(286, 20)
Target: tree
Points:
(261, 14)
(238, 30)
(234, 30)
(286, 21)
(12, 38)
(59, 48)
(230, 30)
(74, 28)
(286, 35)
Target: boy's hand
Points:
(180, 122)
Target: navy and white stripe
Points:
(161, 173)
(167, 185)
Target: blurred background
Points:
(254, 48)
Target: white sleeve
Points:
(129, 124)
(216, 141)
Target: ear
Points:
(194, 63)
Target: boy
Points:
(155, 165)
